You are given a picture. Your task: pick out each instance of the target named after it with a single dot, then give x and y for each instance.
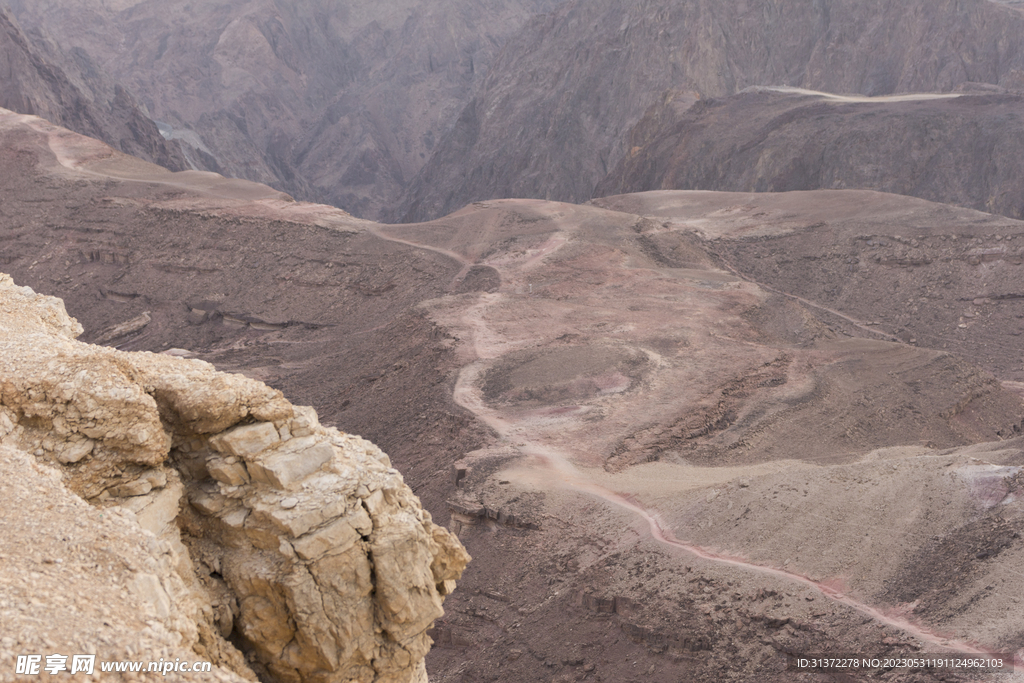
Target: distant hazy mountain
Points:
(37, 77)
(966, 150)
(338, 102)
(552, 117)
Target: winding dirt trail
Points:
(768, 288)
(375, 229)
(569, 476)
(467, 394)
(488, 345)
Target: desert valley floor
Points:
(684, 435)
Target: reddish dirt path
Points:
(468, 395)
(487, 345)
(570, 477)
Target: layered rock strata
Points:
(295, 541)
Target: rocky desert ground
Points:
(691, 348)
(683, 435)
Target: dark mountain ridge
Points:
(68, 89)
(337, 103)
(965, 150)
(552, 117)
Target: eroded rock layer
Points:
(296, 542)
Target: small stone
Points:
(75, 451)
(156, 512)
(375, 502)
(152, 594)
(296, 522)
(157, 478)
(235, 518)
(289, 503)
(232, 474)
(247, 440)
(139, 487)
(337, 536)
(283, 468)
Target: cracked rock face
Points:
(298, 540)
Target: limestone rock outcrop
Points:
(295, 540)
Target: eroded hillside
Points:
(655, 438)
(40, 78)
(956, 148)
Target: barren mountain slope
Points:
(39, 78)
(340, 103)
(923, 273)
(553, 114)
(649, 456)
(298, 295)
(963, 150)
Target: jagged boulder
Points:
(298, 538)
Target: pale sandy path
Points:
(376, 229)
(904, 97)
(856, 323)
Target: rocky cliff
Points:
(37, 77)
(963, 149)
(275, 546)
(551, 118)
